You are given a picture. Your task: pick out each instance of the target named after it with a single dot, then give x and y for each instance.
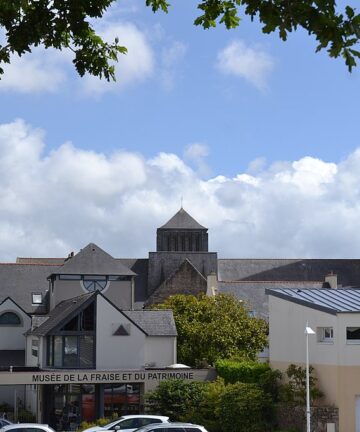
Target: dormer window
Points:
(36, 298)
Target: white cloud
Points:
(41, 71)
(134, 67)
(53, 203)
(196, 153)
(252, 64)
(171, 56)
(49, 70)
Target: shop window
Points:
(353, 335)
(10, 319)
(120, 399)
(325, 334)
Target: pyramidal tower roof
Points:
(182, 220)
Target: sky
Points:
(258, 138)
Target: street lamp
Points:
(308, 331)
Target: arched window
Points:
(9, 319)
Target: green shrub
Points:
(208, 413)
(245, 371)
(294, 391)
(175, 399)
(245, 408)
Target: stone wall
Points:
(185, 280)
(294, 417)
(163, 264)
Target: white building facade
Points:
(334, 315)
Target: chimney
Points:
(211, 288)
(331, 279)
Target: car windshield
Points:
(113, 423)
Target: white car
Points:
(4, 422)
(129, 423)
(172, 427)
(27, 427)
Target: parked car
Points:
(27, 427)
(172, 427)
(129, 423)
(4, 422)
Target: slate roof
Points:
(253, 292)
(140, 268)
(347, 270)
(63, 311)
(327, 300)
(182, 220)
(18, 281)
(153, 322)
(92, 260)
(48, 261)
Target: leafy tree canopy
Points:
(67, 24)
(210, 328)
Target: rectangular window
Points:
(35, 347)
(69, 277)
(58, 348)
(95, 277)
(119, 278)
(36, 298)
(50, 348)
(87, 352)
(325, 334)
(353, 335)
(70, 351)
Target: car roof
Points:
(169, 425)
(18, 425)
(130, 416)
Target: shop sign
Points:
(105, 377)
(94, 377)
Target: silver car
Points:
(129, 423)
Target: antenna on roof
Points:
(181, 201)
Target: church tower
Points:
(182, 233)
(182, 261)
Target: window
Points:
(10, 319)
(353, 335)
(72, 345)
(35, 347)
(36, 298)
(69, 277)
(94, 283)
(325, 334)
(71, 351)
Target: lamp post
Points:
(308, 331)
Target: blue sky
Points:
(218, 117)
